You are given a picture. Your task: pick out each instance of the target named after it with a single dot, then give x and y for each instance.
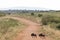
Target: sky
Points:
(49, 4)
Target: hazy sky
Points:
(50, 4)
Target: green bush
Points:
(58, 26)
(55, 26)
(39, 15)
(50, 19)
(5, 24)
(56, 20)
(2, 15)
(32, 13)
(44, 21)
(9, 13)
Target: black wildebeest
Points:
(42, 35)
(33, 35)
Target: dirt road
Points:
(26, 33)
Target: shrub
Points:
(56, 20)
(50, 19)
(44, 21)
(32, 13)
(9, 13)
(58, 26)
(39, 15)
(2, 15)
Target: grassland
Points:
(9, 28)
(53, 22)
(51, 29)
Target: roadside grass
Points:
(2, 14)
(52, 28)
(9, 28)
(50, 32)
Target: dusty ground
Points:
(26, 33)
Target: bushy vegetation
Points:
(9, 28)
(45, 20)
(5, 24)
(9, 13)
(50, 19)
(53, 20)
(58, 26)
(1, 14)
(32, 13)
(39, 15)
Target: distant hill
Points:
(24, 8)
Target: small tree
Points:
(39, 15)
(45, 20)
(32, 13)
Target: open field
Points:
(9, 28)
(40, 22)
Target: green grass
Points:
(48, 19)
(2, 14)
(5, 24)
(9, 28)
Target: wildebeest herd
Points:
(40, 35)
(33, 35)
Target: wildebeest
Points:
(33, 35)
(42, 35)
